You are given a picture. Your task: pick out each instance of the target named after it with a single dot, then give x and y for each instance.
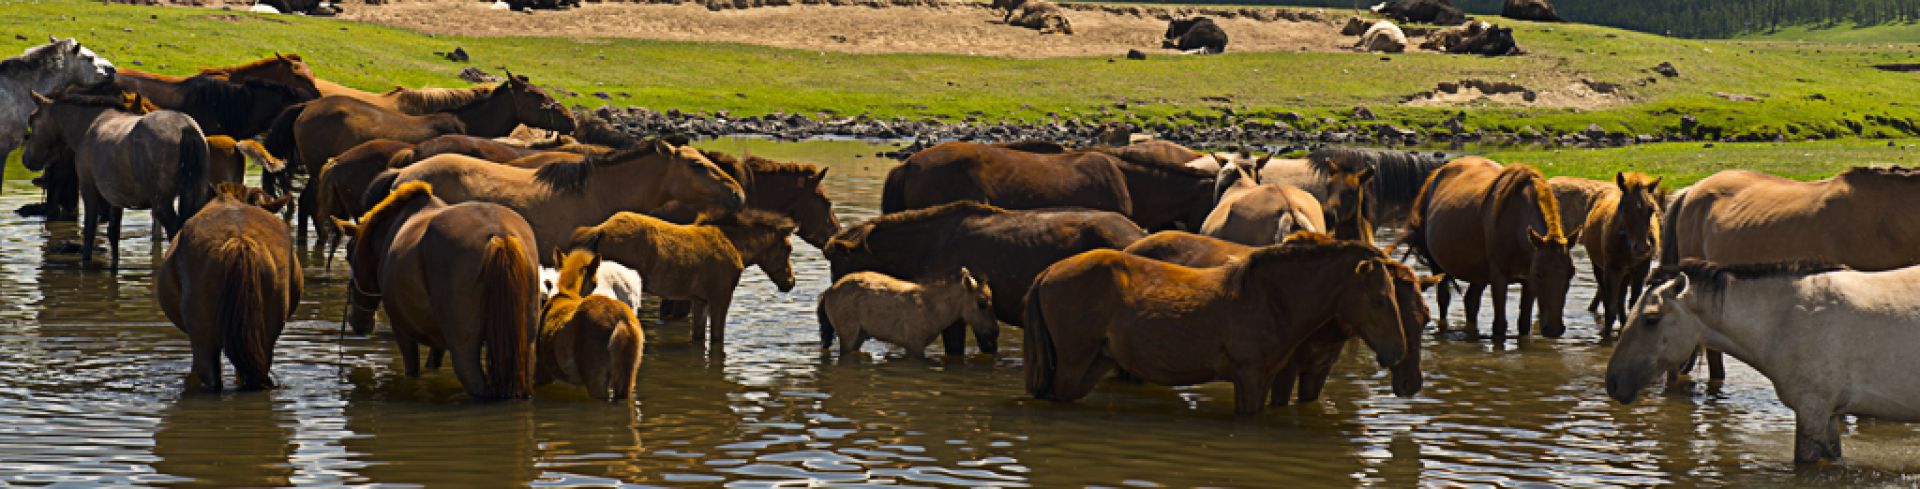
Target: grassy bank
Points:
(1806, 91)
(1685, 163)
(1844, 33)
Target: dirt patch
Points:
(963, 28)
(1582, 94)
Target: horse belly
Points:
(1458, 243)
(1168, 354)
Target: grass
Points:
(1685, 163)
(1844, 33)
(1852, 98)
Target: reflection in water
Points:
(91, 372)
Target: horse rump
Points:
(190, 183)
(507, 275)
(1042, 362)
(893, 193)
(243, 318)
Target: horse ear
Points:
(818, 176)
(559, 256)
(1656, 181)
(1680, 283)
(1574, 237)
(1365, 266)
(1534, 235)
(1620, 180)
(966, 278)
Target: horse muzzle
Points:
(1624, 391)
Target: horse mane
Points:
(430, 100)
(1704, 273)
(400, 196)
(763, 165)
(1033, 146)
(33, 59)
(1889, 172)
(1306, 246)
(594, 130)
(103, 95)
(1517, 177)
(234, 190)
(572, 176)
(1637, 180)
(852, 237)
(1397, 176)
(252, 65)
(1308, 237)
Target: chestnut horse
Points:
(1004, 248)
(701, 262)
(459, 278)
(239, 101)
(230, 281)
(1621, 233)
(1740, 217)
(559, 197)
(410, 101)
(227, 159)
(311, 133)
(1175, 325)
(1154, 195)
(791, 189)
(588, 340)
(1312, 363)
(1491, 226)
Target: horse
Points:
(329, 126)
(1154, 195)
(123, 161)
(791, 189)
(490, 150)
(610, 279)
(1621, 234)
(1255, 214)
(865, 305)
(341, 187)
(559, 197)
(588, 340)
(1383, 37)
(1740, 217)
(46, 69)
(59, 181)
(410, 101)
(239, 101)
(459, 278)
(227, 159)
(1004, 248)
(1195, 35)
(1313, 361)
(1490, 226)
(1175, 325)
(1832, 341)
(1385, 195)
(701, 262)
(230, 281)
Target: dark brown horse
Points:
(791, 189)
(330, 126)
(1006, 178)
(341, 188)
(1176, 325)
(173, 92)
(1004, 248)
(460, 278)
(230, 281)
(1492, 226)
(241, 102)
(1312, 363)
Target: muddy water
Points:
(91, 374)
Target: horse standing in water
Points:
(592, 341)
(1491, 226)
(230, 281)
(1832, 341)
(459, 278)
(46, 69)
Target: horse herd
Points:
(1087, 250)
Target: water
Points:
(91, 376)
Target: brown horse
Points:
(1312, 363)
(1386, 195)
(701, 262)
(1621, 233)
(1257, 214)
(123, 161)
(174, 92)
(791, 189)
(1739, 217)
(230, 281)
(1175, 325)
(227, 159)
(588, 340)
(341, 188)
(559, 197)
(460, 278)
(1004, 248)
(1007, 178)
(1492, 226)
(311, 133)
(493, 150)
(410, 101)
(241, 101)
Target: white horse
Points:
(1833, 342)
(46, 69)
(612, 280)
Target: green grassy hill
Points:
(1844, 33)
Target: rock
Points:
(1666, 69)
(1362, 113)
(477, 75)
(1136, 54)
(458, 55)
(1736, 97)
(1595, 131)
(602, 96)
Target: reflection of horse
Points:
(124, 161)
(588, 340)
(230, 282)
(460, 278)
(1175, 325)
(225, 441)
(1833, 341)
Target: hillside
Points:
(1714, 19)
(1907, 33)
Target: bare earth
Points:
(963, 30)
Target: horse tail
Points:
(1041, 360)
(280, 138)
(190, 183)
(507, 276)
(1670, 230)
(826, 325)
(243, 317)
(893, 194)
(1416, 236)
(378, 190)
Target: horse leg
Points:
(717, 317)
(955, 339)
(466, 365)
(113, 236)
(305, 206)
(409, 348)
(1525, 319)
(1283, 385)
(1471, 302)
(436, 357)
(1716, 365)
(90, 227)
(206, 363)
(1444, 295)
(1499, 310)
(1250, 387)
(1816, 436)
(699, 322)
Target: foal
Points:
(591, 341)
(873, 305)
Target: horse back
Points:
(1014, 179)
(1164, 322)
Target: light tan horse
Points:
(1174, 325)
(1621, 234)
(227, 159)
(588, 340)
(700, 262)
(1492, 226)
(1256, 214)
(866, 305)
(230, 281)
(1740, 217)
(559, 197)
(460, 278)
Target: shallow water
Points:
(91, 376)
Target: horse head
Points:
(977, 312)
(71, 64)
(1639, 211)
(1662, 332)
(534, 107)
(45, 143)
(1550, 275)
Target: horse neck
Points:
(491, 117)
(382, 230)
(748, 241)
(75, 120)
(1356, 228)
(771, 190)
(1748, 337)
(632, 246)
(1301, 311)
(445, 123)
(1522, 210)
